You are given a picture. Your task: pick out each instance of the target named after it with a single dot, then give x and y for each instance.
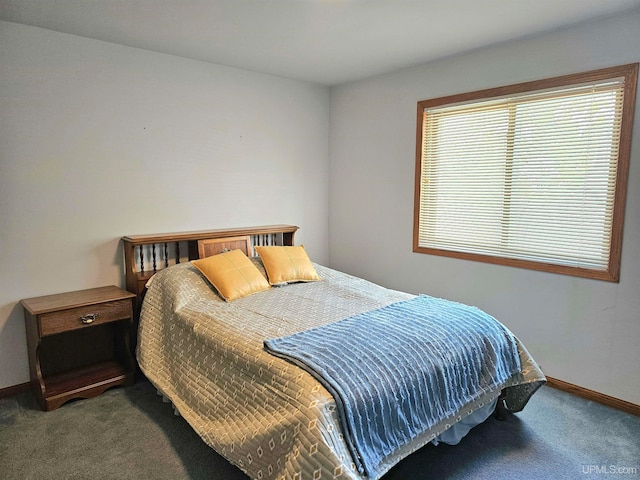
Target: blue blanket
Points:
(397, 371)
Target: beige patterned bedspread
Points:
(270, 418)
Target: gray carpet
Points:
(129, 433)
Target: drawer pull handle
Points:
(89, 318)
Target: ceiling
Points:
(324, 41)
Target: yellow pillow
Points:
(287, 264)
(232, 274)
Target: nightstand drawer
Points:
(80, 317)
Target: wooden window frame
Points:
(612, 272)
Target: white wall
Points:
(99, 140)
(582, 331)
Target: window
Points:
(531, 175)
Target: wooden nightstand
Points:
(78, 343)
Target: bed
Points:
(268, 414)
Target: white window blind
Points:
(530, 177)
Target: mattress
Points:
(268, 416)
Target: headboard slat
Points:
(166, 255)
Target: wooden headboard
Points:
(144, 255)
